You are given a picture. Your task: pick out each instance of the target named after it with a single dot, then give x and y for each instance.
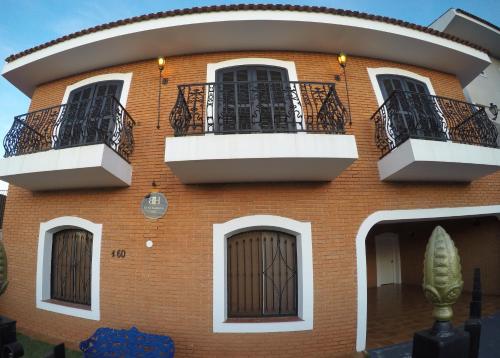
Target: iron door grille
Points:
(71, 266)
(262, 274)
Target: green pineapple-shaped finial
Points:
(3, 269)
(442, 274)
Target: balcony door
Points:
(253, 99)
(89, 115)
(412, 111)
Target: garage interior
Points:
(395, 252)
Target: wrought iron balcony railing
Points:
(100, 121)
(407, 115)
(257, 107)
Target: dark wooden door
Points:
(253, 99)
(89, 115)
(413, 112)
(71, 266)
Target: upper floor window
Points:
(254, 99)
(414, 112)
(256, 95)
(70, 278)
(88, 117)
(262, 274)
(92, 111)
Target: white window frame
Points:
(47, 230)
(302, 231)
(125, 77)
(374, 72)
(289, 66)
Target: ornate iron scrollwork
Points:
(257, 106)
(74, 124)
(407, 115)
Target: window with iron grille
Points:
(71, 266)
(262, 274)
(254, 99)
(88, 117)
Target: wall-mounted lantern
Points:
(163, 81)
(342, 58)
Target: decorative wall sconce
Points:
(163, 81)
(342, 58)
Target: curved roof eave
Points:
(250, 29)
(465, 25)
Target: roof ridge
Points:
(241, 7)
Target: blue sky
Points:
(26, 23)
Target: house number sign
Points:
(154, 205)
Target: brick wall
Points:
(168, 289)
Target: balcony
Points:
(256, 131)
(430, 138)
(71, 146)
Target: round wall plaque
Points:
(154, 205)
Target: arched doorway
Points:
(429, 216)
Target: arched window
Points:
(262, 274)
(68, 267)
(70, 274)
(413, 112)
(88, 116)
(254, 98)
(262, 268)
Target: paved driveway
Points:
(489, 346)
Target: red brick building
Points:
(288, 197)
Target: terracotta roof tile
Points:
(220, 8)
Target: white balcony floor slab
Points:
(434, 161)
(92, 166)
(262, 157)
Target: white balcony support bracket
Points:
(91, 166)
(259, 157)
(427, 160)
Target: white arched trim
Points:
(302, 231)
(374, 72)
(391, 217)
(289, 66)
(47, 229)
(125, 77)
